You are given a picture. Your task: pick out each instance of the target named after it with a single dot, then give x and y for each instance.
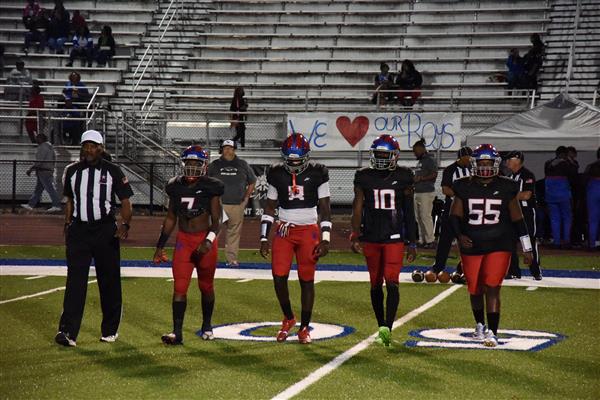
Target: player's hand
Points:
(528, 258)
(322, 249)
(356, 247)
(411, 254)
(264, 249)
(122, 232)
(465, 242)
(160, 256)
(204, 247)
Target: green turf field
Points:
(139, 366)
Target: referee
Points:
(526, 197)
(91, 232)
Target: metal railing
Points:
(20, 94)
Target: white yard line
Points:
(348, 354)
(30, 278)
(244, 280)
(531, 288)
(58, 289)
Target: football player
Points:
(194, 204)
(383, 218)
(300, 189)
(484, 216)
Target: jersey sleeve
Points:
(529, 182)
(122, 186)
(359, 179)
(271, 188)
(447, 176)
(217, 188)
(458, 187)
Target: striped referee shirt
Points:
(453, 172)
(93, 189)
(526, 181)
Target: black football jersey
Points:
(388, 212)
(306, 194)
(526, 181)
(486, 215)
(189, 201)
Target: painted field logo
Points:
(246, 331)
(460, 338)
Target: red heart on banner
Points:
(353, 131)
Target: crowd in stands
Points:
(403, 88)
(522, 72)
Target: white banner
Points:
(338, 132)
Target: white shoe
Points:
(27, 207)
(109, 339)
(207, 335)
(490, 340)
(479, 333)
(53, 209)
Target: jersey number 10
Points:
(484, 211)
(385, 199)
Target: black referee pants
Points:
(86, 242)
(534, 268)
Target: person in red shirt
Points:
(35, 101)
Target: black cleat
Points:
(64, 339)
(537, 277)
(171, 339)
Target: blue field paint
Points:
(554, 273)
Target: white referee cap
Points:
(92, 136)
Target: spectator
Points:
(578, 191)
(35, 101)
(239, 180)
(44, 165)
(105, 48)
(19, 81)
(31, 13)
(72, 125)
(239, 105)
(559, 178)
(384, 80)
(532, 62)
(514, 64)
(83, 47)
(75, 89)
(425, 176)
(59, 7)
(37, 32)
(409, 81)
(592, 175)
(57, 33)
(78, 21)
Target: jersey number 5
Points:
(385, 199)
(484, 211)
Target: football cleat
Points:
(284, 332)
(479, 333)
(64, 339)
(109, 338)
(304, 335)
(171, 339)
(490, 340)
(384, 336)
(418, 276)
(207, 335)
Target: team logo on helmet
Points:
(295, 151)
(385, 151)
(484, 169)
(194, 162)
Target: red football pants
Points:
(186, 258)
(384, 261)
(300, 241)
(485, 270)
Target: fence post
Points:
(152, 188)
(14, 187)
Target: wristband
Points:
(211, 236)
(162, 240)
(265, 226)
(526, 243)
(326, 231)
(326, 236)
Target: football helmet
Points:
(485, 152)
(194, 162)
(385, 151)
(295, 151)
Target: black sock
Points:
(208, 304)
(377, 303)
(178, 313)
(493, 321)
(305, 318)
(287, 310)
(479, 316)
(391, 305)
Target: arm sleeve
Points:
(122, 186)
(218, 189)
(410, 223)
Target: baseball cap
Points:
(92, 136)
(465, 151)
(228, 142)
(516, 154)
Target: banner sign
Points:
(343, 132)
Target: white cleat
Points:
(207, 335)
(110, 338)
(490, 340)
(479, 333)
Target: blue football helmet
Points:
(485, 152)
(194, 161)
(295, 151)
(385, 151)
